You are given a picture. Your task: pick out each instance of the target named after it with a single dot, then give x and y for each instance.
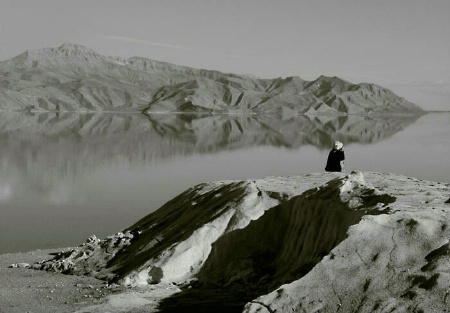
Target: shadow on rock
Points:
(278, 248)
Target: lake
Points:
(66, 176)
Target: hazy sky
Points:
(403, 44)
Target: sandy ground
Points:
(27, 290)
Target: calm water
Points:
(64, 177)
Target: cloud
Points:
(151, 43)
(170, 46)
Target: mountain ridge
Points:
(76, 78)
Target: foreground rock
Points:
(76, 78)
(394, 262)
(319, 242)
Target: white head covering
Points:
(338, 145)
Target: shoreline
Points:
(29, 290)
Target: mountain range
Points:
(76, 78)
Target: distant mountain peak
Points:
(65, 54)
(331, 79)
(73, 49)
(65, 50)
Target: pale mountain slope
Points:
(71, 78)
(321, 241)
(76, 78)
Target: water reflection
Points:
(65, 176)
(164, 135)
(225, 132)
(48, 149)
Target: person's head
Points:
(338, 145)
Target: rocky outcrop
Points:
(172, 243)
(76, 78)
(396, 262)
(290, 239)
(363, 242)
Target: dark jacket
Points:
(334, 160)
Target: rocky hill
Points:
(319, 242)
(76, 78)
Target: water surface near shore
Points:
(66, 176)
